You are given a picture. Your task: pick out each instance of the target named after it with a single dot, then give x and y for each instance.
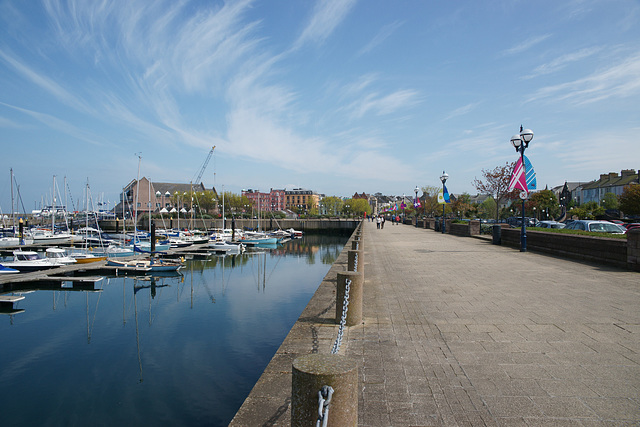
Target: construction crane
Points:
(204, 166)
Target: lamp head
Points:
(444, 177)
(516, 140)
(526, 135)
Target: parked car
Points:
(550, 224)
(516, 222)
(632, 225)
(596, 226)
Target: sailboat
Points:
(50, 237)
(12, 240)
(85, 257)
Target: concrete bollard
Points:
(496, 234)
(351, 260)
(354, 312)
(355, 245)
(313, 371)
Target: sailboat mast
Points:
(13, 212)
(53, 206)
(135, 210)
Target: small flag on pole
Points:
(531, 174)
(443, 197)
(518, 178)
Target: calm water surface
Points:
(175, 350)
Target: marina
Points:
(105, 346)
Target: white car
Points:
(550, 224)
(595, 226)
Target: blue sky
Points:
(337, 96)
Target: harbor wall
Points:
(320, 225)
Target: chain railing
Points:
(324, 394)
(324, 400)
(343, 319)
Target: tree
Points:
(630, 200)
(589, 210)
(462, 204)
(430, 200)
(544, 201)
(357, 207)
(487, 208)
(496, 183)
(332, 205)
(610, 201)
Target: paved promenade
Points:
(458, 331)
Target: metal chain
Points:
(355, 262)
(324, 400)
(343, 319)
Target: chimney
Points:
(613, 175)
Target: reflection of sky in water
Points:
(187, 356)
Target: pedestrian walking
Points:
(378, 221)
(382, 222)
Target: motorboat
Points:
(232, 247)
(26, 261)
(294, 233)
(115, 251)
(86, 257)
(59, 256)
(15, 241)
(7, 270)
(47, 237)
(258, 238)
(147, 264)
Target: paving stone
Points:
(460, 332)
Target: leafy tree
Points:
(487, 208)
(496, 183)
(610, 201)
(462, 204)
(356, 207)
(589, 210)
(630, 200)
(544, 201)
(430, 200)
(332, 205)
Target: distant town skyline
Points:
(337, 96)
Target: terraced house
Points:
(607, 183)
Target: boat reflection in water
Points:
(181, 348)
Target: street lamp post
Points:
(443, 178)
(521, 142)
(415, 205)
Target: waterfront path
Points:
(457, 331)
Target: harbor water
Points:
(180, 349)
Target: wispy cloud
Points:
(525, 45)
(462, 110)
(327, 15)
(562, 61)
(381, 105)
(58, 125)
(50, 86)
(618, 81)
(379, 38)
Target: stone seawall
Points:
(314, 332)
(310, 225)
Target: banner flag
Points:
(518, 178)
(403, 205)
(531, 174)
(416, 203)
(443, 198)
